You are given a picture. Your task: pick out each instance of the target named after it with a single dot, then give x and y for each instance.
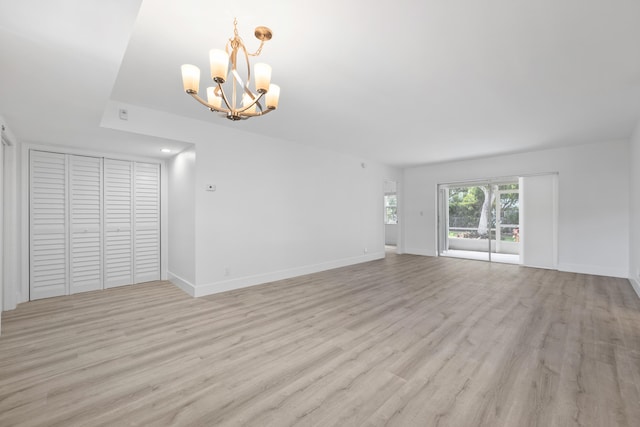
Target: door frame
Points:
(442, 208)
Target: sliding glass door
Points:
(480, 220)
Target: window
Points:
(390, 209)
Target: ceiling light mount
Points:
(263, 34)
(243, 102)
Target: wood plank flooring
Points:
(405, 341)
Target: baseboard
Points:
(259, 279)
(185, 285)
(593, 270)
(636, 286)
(543, 267)
(414, 251)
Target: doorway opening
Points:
(390, 216)
(480, 220)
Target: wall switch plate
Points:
(123, 114)
(211, 187)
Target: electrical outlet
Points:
(123, 114)
(211, 187)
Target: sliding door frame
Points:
(442, 221)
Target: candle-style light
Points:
(263, 77)
(190, 78)
(213, 98)
(219, 61)
(273, 95)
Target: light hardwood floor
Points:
(405, 341)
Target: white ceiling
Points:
(402, 83)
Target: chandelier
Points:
(243, 102)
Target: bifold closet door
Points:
(48, 266)
(94, 223)
(118, 220)
(85, 216)
(146, 222)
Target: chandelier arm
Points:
(224, 98)
(255, 101)
(206, 104)
(246, 84)
(259, 51)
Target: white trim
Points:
(2, 240)
(545, 267)
(181, 283)
(593, 270)
(244, 282)
(10, 235)
(636, 286)
(421, 252)
(164, 221)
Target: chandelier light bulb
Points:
(219, 65)
(214, 99)
(246, 100)
(273, 95)
(190, 78)
(262, 72)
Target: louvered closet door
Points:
(147, 222)
(48, 225)
(118, 220)
(85, 215)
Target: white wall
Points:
(634, 197)
(593, 222)
(11, 233)
(181, 171)
(282, 209)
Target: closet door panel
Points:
(118, 220)
(48, 225)
(85, 215)
(147, 222)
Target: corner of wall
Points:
(12, 218)
(181, 283)
(634, 211)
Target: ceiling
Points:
(403, 83)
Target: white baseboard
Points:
(636, 286)
(423, 252)
(185, 285)
(594, 270)
(543, 267)
(244, 282)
